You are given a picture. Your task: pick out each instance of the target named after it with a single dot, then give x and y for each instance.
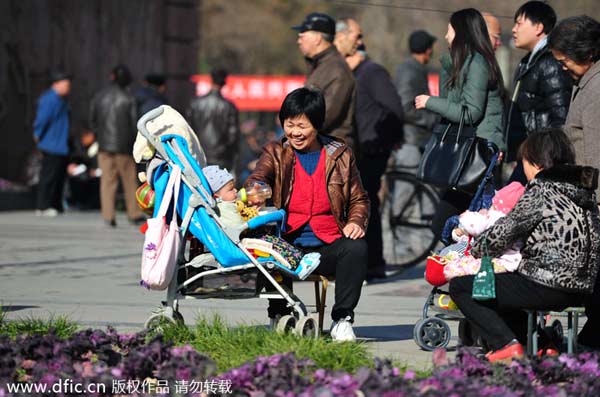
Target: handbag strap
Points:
(173, 183)
(463, 112)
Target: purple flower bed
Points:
(467, 376)
(98, 357)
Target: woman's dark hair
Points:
(471, 35)
(578, 38)
(547, 148)
(538, 12)
(307, 101)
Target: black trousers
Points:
(590, 334)
(345, 259)
(503, 319)
(372, 168)
(52, 181)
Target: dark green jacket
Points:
(484, 105)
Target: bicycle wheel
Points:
(408, 210)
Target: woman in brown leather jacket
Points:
(315, 179)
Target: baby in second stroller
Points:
(459, 261)
(455, 260)
(289, 257)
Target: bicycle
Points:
(408, 208)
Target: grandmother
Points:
(315, 179)
(557, 219)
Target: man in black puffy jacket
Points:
(216, 122)
(113, 120)
(542, 88)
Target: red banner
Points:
(266, 93)
(433, 82)
(253, 93)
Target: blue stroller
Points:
(227, 270)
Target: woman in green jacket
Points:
(470, 78)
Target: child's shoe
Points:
(308, 264)
(507, 353)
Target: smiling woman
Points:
(315, 179)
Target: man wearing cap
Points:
(51, 134)
(411, 81)
(379, 118)
(328, 72)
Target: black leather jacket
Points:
(543, 97)
(113, 118)
(215, 121)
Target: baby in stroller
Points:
(457, 258)
(264, 245)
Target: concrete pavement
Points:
(76, 266)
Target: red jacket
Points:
(348, 199)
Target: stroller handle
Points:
(149, 116)
(276, 216)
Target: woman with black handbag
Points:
(471, 91)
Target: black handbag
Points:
(455, 158)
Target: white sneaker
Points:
(341, 331)
(50, 213)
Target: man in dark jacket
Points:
(113, 119)
(542, 88)
(411, 81)
(379, 117)
(328, 72)
(216, 122)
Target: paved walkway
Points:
(76, 266)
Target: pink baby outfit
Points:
(474, 224)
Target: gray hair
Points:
(341, 25)
(327, 37)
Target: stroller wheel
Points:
(158, 322)
(308, 328)
(285, 324)
(431, 333)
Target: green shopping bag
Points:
(484, 283)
